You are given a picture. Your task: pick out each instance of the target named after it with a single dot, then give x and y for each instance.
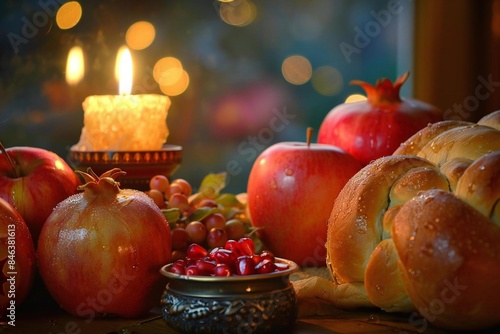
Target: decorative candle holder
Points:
(126, 132)
(140, 166)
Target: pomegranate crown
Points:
(107, 180)
(384, 91)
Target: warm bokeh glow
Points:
(68, 15)
(355, 98)
(140, 35)
(75, 66)
(327, 80)
(178, 87)
(167, 71)
(296, 69)
(238, 13)
(124, 70)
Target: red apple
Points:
(17, 261)
(291, 190)
(33, 181)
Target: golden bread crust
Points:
(355, 225)
(450, 260)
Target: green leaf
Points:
(229, 200)
(171, 215)
(210, 186)
(230, 212)
(200, 213)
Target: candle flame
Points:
(124, 70)
(75, 66)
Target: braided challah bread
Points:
(419, 231)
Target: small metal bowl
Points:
(264, 303)
(140, 166)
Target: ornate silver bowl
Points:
(264, 303)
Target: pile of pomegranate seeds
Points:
(235, 258)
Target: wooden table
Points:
(54, 321)
(40, 314)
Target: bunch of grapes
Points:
(207, 220)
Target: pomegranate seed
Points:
(196, 251)
(265, 267)
(178, 269)
(265, 254)
(191, 270)
(244, 265)
(247, 246)
(256, 258)
(223, 270)
(221, 255)
(205, 267)
(233, 246)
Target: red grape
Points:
(197, 232)
(157, 197)
(235, 229)
(179, 238)
(160, 183)
(215, 220)
(216, 238)
(186, 187)
(178, 201)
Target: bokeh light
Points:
(238, 13)
(167, 71)
(75, 66)
(68, 15)
(296, 69)
(177, 87)
(355, 98)
(327, 80)
(140, 35)
(170, 76)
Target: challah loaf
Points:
(421, 229)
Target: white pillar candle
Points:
(124, 123)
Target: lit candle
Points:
(124, 122)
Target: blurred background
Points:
(242, 74)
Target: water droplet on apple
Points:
(288, 172)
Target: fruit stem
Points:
(309, 134)
(9, 160)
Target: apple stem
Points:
(309, 134)
(9, 160)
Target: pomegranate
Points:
(377, 126)
(101, 250)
